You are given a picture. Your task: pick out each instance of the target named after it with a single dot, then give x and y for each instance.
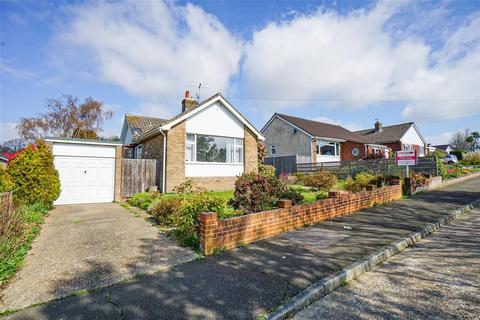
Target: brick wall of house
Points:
(346, 150)
(395, 146)
(153, 147)
(175, 171)
(232, 232)
(118, 173)
(250, 151)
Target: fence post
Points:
(436, 164)
(349, 169)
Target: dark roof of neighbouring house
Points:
(443, 147)
(387, 134)
(321, 129)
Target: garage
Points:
(86, 169)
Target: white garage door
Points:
(86, 173)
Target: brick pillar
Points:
(284, 204)
(118, 173)
(208, 224)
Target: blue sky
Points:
(344, 62)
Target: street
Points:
(437, 279)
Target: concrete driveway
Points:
(87, 246)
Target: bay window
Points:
(325, 148)
(203, 148)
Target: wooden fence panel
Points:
(138, 175)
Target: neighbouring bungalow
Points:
(313, 141)
(399, 137)
(209, 142)
(444, 147)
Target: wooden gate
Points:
(138, 175)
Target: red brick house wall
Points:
(346, 150)
(233, 232)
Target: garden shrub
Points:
(182, 213)
(458, 153)
(6, 182)
(320, 180)
(143, 200)
(188, 186)
(321, 195)
(163, 210)
(361, 181)
(266, 170)
(293, 195)
(34, 175)
(442, 169)
(471, 158)
(255, 192)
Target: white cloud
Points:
(353, 61)
(350, 126)
(7, 131)
(441, 138)
(156, 50)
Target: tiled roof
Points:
(143, 124)
(387, 134)
(442, 146)
(321, 129)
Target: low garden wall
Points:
(233, 232)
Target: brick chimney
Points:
(188, 103)
(378, 126)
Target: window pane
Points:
(190, 138)
(189, 153)
(327, 150)
(212, 149)
(239, 154)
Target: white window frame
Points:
(272, 150)
(321, 143)
(407, 147)
(236, 145)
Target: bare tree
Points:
(458, 140)
(65, 117)
(12, 145)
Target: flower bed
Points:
(233, 232)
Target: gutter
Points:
(164, 164)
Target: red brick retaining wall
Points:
(232, 232)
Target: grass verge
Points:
(18, 229)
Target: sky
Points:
(342, 62)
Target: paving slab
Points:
(249, 281)
(87, 246)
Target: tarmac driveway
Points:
(87, 246)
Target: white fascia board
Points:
(330, 139)
(225, 103)
(376, 145)
(288, 122)
(99, 143)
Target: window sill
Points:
(215, 163)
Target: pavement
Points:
(249, 281)
(81, 247)
(439, 278)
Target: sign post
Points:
(406, 158)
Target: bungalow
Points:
(399, 137)
(315, 141)
(209, 142)
(444, 147)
